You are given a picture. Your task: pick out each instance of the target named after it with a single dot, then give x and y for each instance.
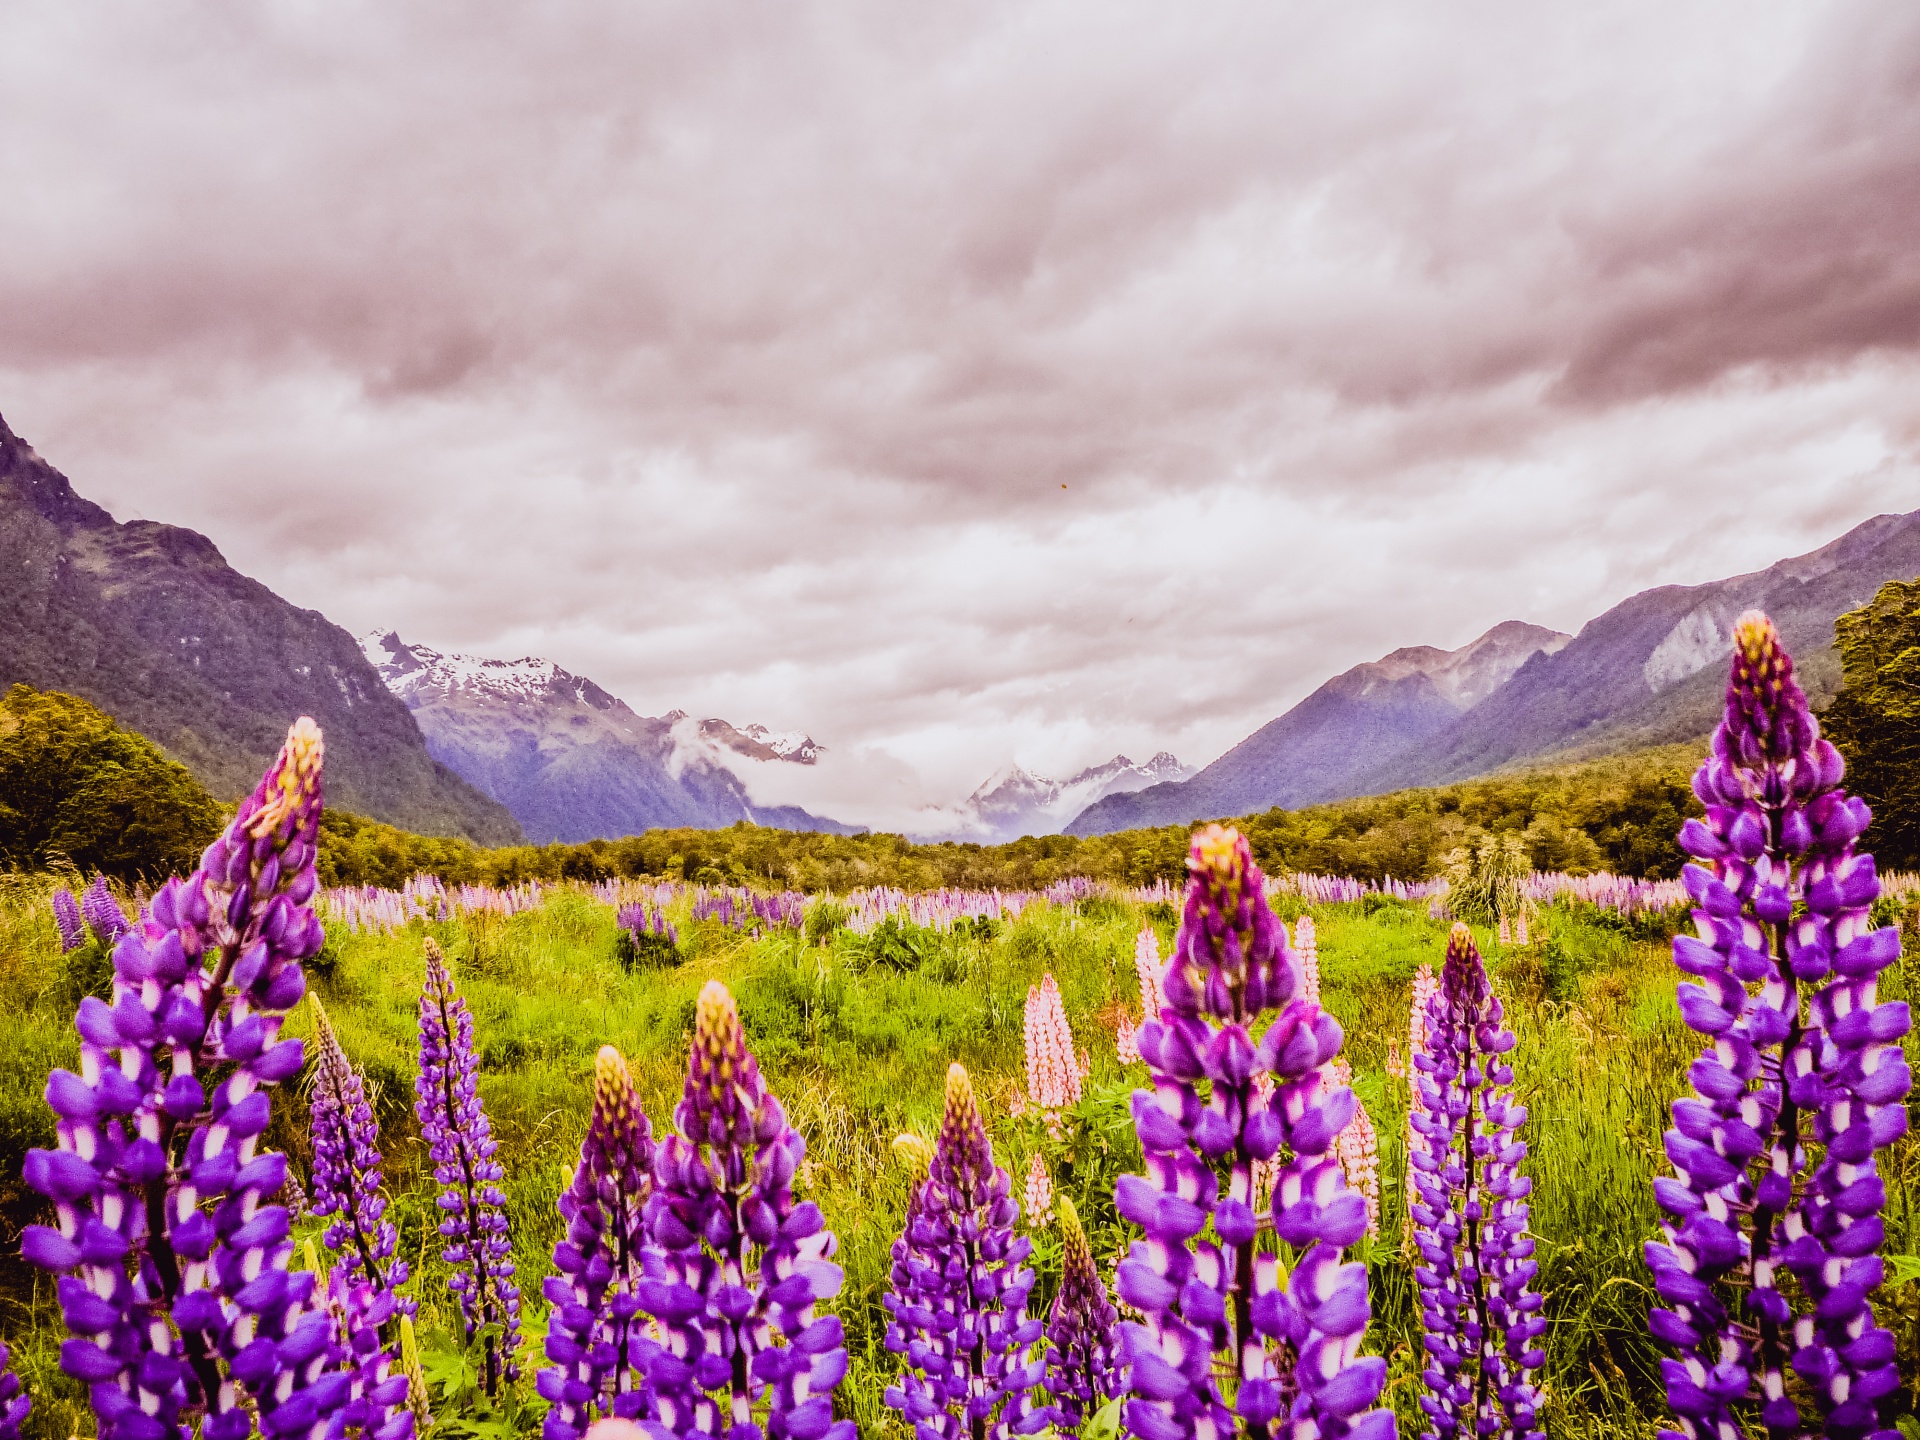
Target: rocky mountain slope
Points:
(1646, 672)
(1320, 749)
(150, 623)
(1649, 671)
(1014, 801)
(569, 760)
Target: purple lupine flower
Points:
(103, 912)
(1481, 1319)
(1802, 1056)
(346, 1166)
(377, 1394)
(1201, 1297)
(960, 1292)
(638, 919)
(162, 1205)
(732, 909)
(66, 915)
(14, 1407)
(294, 1196)
(460, 1140)
(377, 1389)
(1084, 1368)
(787, 909)
(595, 1296)
(723, 1186)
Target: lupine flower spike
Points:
(1151, 972)
(67, 916)
(1425, 987)
(1294, 1350)
(164, 1209)
(416, 1374)
(595, 1297)
(103, 912)
(14, 1407)
(376, 1387)
(346, 1165)
(1054, 1072)
(1481, 1318)
(1146, 964)
(460, 1140)
(1802, 1065)
(959, 1296)
(1306, 947)
(1359, 1149)
(1083, 1361)
(1039, 1196)
(723, 1189)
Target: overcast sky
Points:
(963, 383)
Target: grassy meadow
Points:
(855, 1033)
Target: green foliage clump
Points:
(76, 785)
(1875, 719)
(1487, 878)
(644, 950)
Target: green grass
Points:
(857, 1051)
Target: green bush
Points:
(644, 951)
(1875, 719)
(74, 784)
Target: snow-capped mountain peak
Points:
(1015, 801)
(408, 670)
(572, 761)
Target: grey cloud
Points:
(737, 356)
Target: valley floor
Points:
(855, 1033)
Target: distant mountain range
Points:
(151, 624)
(1013, 801)
(572, 762)
(1646, 672)
(148, 622)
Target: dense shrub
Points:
(1875, 720)
(74, 784)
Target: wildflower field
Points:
(971, 1163)
(854, 1033)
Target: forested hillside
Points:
(1618, 814)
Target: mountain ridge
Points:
(150, 623)
(1642, 673)
(1013, 800)
(1315, 751)
(570, 760)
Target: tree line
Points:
(78, 789)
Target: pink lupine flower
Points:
(1306, 946)
(1039, 1198)
(1152, 973)
(1126, 1041)
(1358, 1149)
(1520, 930)
(1264, 1171)
(1425, 987)
(1054, 1069)
(1396, 1066)
(1506, 930)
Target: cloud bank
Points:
(1024, 381)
